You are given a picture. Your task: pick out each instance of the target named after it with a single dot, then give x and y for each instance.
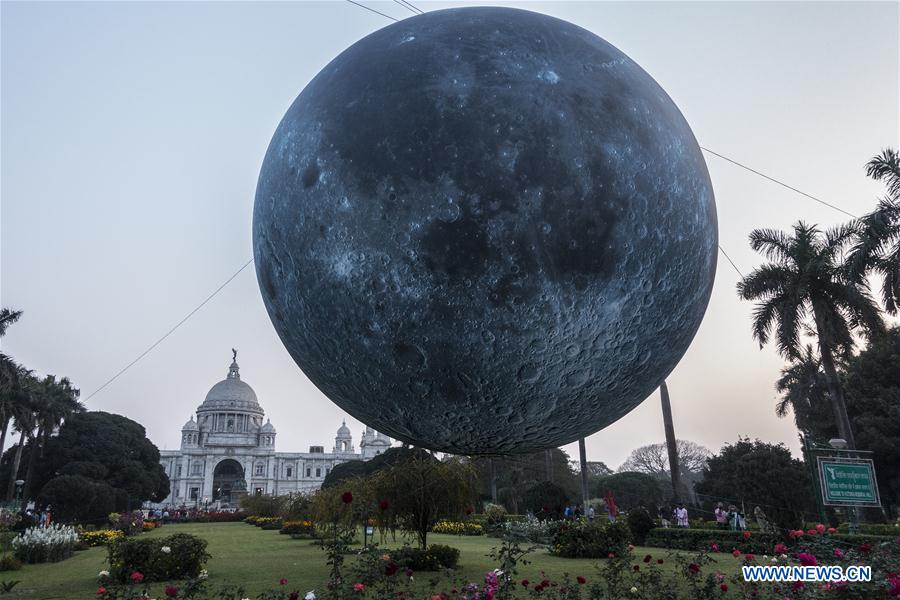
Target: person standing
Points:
(721, 516)
(681, 514)
(663, 520)
(591, 512)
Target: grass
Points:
(257, 559)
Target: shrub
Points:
(220, 517)
(433, 558)
(298, 528)
(546, 500)
(48, 544)
(494, 515)
(8, 562)
(262, 521)
(129, 523)
(756, 543)
(99, 538)
(589, 539)
(149, 525)
(640, 522)
(179, 556)
(457, 528)
(529, 530)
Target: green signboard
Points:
(848, 482)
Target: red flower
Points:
(724, 587)
(525, 583)
(865, 548)
(101, 591)
(798, 585)
(545, 583)
(806, 559)
(749, 557)
(282, 581)
(746, 535)
(171, 591)
(735, 553)
(294, 596)
(384, 505)
(581, 580)
(694, 568)
(659, 561)
(820, 528)
(469, 510)
(780, 548)
(648, 558)
(347, 497)
(390, 569)
(545, 508)
(811, 531)
(137, 577)
(359, 587)
(409, 572)
(611, 555)
(714, 547)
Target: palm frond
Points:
(886, 167)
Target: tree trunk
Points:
(834, 386)
(582, 457)
(671, 445)
(5, 425)
(32, 460)
(14, 470)
(493, 481)
(548, 459)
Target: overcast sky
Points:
(133, 133)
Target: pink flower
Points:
(749, 557)
(795, 533)
(171, 591)
(359, 587)
(831, 530)
(282, 581)
(137, 577)
(820, 528)
(746, 535)
(101, 591)
(694, 568)
(865, 548)
(780, 548)
(798, 585)
(811, 531)
(735, 553)
(839, 554)
(630, 547)
(581, 580)
(714, 547)
(806, 559)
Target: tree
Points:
(546, 500)
(422, 490)
(516, 474)
(93, 443)
(8, 316)
(654, 459)
(77, 498)
(876, 246)
(804, 390)
(13, 378)
(807, 283)
(754, 473)
(630, 489)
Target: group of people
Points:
(679, 516)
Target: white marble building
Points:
(229, 449)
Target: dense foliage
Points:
(631, 489)
(179, 556)
(589, 539)
(546, 500)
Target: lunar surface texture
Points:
(485, 231)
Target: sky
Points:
(131, 137)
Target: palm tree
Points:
(806, 283)
(23, 418)
(53, 403)
(876, 247)
(11, 376)
(8, 316)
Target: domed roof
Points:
(268, 427)
(191, 425)
(343, 430)
(231, 394)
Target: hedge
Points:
(179, 556)
(434, 558)
(589, 539)
(727, 540)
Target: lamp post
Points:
(20, 485)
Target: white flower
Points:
(203, 574)
(310, 595)
(774, 559)
(103, 574)
(634, 590)
(165, 549)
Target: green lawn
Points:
(257, 559)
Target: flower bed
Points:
(99, 538)
(433, 558)
(263, 521)
(179, 556)
(457, 528)
(47, 544)
(298, 528)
